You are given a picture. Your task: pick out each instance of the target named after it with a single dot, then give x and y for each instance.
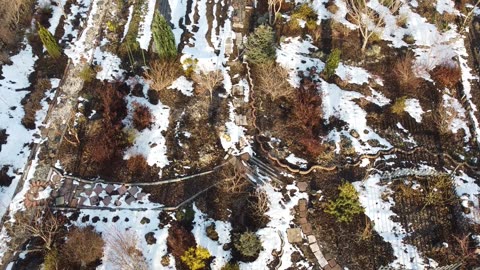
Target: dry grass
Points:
(162, 74)
(406, 77)
(272, 79)
(11, 14)
(443, 118)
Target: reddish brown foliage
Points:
(108, 140)
(137, 165)
(179, 240)
(447, 75)
(312, 146)
(307, 105)
(142, 117)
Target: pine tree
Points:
(49, 42)
(261, 45)
(163, 37)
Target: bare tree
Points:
(208, 81)
(261, 205)
(234, 177)
(272, 79)
(42, 223)
(122, 251)
(367, 19)
(274, 7)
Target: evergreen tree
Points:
(261, 45)
(163, 37)
(49, 42)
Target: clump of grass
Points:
(405, 75)
(399, 106)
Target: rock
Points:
(150, 238)
(302, 186)
(466, 210)
(307, 228)
(294, 235)
(211, 232)
(165, 260)
(354, 133)
(409, 39)
(144, 220)
(314, 247)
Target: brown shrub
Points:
(179, 240)
(446, 75)
(137, 165)
(84, 247)
(405, 75)
(307, 107)
(142, 117)
(272, 79)
(312, 146)
(162, 74)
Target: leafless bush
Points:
(83, 247)
(207, 81)
(234, 178)
(41, 223)
(122, 251)
(368, 21)
(260, 205)
(272, 79)
(406, 77)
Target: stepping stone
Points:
(321, 260)
(303, 214)
(332, 263)
(133, 190)
(237, 90)
(241, 120)
(74, 203)
(93, 200)
(140, 196)
(130, 200)
(81, 201)
(312, 239)
(302, 221)
(121, 190)
(302, 186)
(98, 189)
(60, 200)
(107, 200)
(68, 182)
(118, 203)
(314, 247)
(88, 192)
(307, 228)
(110, 188)
(294, 235)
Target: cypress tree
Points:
(163, 37)
(49, 42)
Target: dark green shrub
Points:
(260, 47)
(332, 63)
(248, 245)
(163, 37)
(346, 206)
